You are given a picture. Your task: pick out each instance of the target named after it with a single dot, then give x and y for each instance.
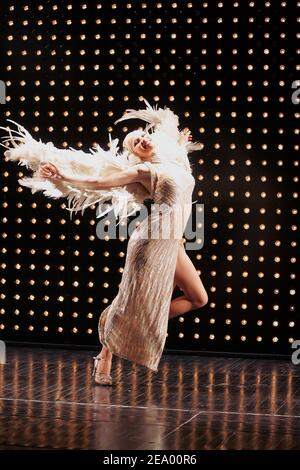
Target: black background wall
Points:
(227, 68)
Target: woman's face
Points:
(143, 147)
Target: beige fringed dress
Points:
(134, 326)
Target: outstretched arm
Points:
(121, 178)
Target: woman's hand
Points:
(48, 170)
(186, 135)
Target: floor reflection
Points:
(48, 400)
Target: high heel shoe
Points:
(99, 377)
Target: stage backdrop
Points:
(230, 70)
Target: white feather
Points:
(25, 150)
(166, 135)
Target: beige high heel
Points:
(99, 377)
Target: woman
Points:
(134, 325)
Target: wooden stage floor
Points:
(48, 401)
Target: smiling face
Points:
(140, 144)
(143, 147)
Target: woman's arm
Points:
(185, 136)
(118, 179)
(135, 174)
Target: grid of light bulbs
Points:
(19, 32)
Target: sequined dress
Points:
(134, 326)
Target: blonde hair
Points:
(128, 142)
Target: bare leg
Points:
(179, 306)
(187, 278)
(104, 365)
(195, 296)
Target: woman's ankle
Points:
(104, 366)
(106, 354)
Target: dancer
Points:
(155, 164)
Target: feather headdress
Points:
(164, 127)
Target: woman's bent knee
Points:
(200, 301)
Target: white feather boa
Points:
(126, 200)
(27, 151)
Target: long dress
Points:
(134, 326)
